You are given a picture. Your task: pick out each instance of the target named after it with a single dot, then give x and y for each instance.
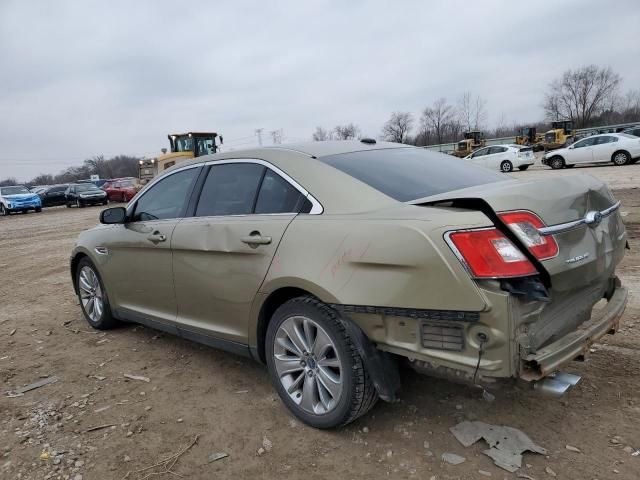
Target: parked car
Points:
(83, 194)
(121, 189)
(331, 262)
(635, 131)
(53, 195)
(18, 198)
(619, 148)
(503, 157)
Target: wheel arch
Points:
(621, 150)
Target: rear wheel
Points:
(506, 166)
(315, 366)
(523, 168)
(93, 296)
(621, 158)
(556, 162)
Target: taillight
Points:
(489, 254)
(525, 225)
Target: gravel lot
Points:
(228, 403)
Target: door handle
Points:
(156, 237)
(254, 239)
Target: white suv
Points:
(503, 157)
(619, 148)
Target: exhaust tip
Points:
(557, 384)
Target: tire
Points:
(333, 360)
(79, 204)
(506, 166)
(556, 162)
(68, 205)
(523, 168)
(3, 211)
(620, 158)
(106, 202)
(38, 210)
(90, 286)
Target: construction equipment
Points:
(529, 136)
(472, 141)
(184, 146)
(560, 135)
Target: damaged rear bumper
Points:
(576, 344)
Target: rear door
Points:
(221, 254)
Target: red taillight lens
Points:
(489, 254)
(525, 225)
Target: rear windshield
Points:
(410, 173)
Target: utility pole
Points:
(259, 134)
(276, 136)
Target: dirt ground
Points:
(228, 404)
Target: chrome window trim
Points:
(316, 206)
(568, 226)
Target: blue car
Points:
(18, 198)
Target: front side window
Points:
(230, 189)
(587, 142)
(480, 153)
(167, 198)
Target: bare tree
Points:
(397, 128)
(579, 95)
(8, 182)
(438, 118)
(348, 131)
(320, 135)
(472, 112)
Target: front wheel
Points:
(4, 211)
(621, 158)
(315, 366)
(93, 296)
(556, 163)
(506, 166)
(38, 209)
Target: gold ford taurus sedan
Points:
(333, 261)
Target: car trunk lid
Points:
(587, 253)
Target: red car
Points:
(121, 189)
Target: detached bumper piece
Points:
(576, 344)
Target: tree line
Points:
(589, 96)
(115, 167)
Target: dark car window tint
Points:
(278, 196)
(166, 199)
(587, 142)
(411, 173)
(230, 189)
(480, 153)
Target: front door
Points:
(138, 253)
(581, 152)
(222, 254)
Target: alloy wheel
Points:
(91, 294)
(620, 158)
(308, 365)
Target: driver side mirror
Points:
(113, 215)
(570, 147)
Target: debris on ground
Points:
(506, 443)
(550, 472)
(137, 377)
(32, 386)
(266, 444)
(13, 332)
(163, 466)
(99, 427)
(452, 458)
(214, 457)
(571, 448)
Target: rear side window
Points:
(167, 198)
(230, 189)
(278, 196)
(411, 173)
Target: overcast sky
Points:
(84, 78)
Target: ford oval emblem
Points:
(593, 218)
